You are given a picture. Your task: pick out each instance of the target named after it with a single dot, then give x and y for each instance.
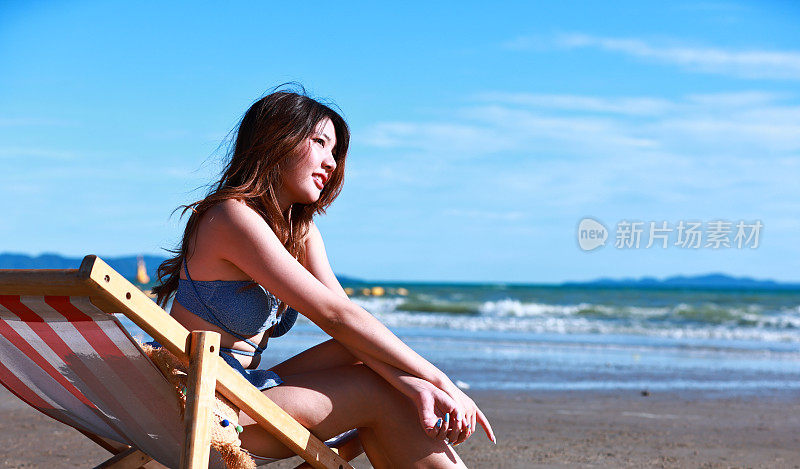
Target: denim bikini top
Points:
(236, 309)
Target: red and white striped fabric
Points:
(77, 364)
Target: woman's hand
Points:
(434, 406)
(452, 415)
(469, 415)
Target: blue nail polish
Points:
(446, 418)
(438, 423)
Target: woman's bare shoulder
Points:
(222, 225)
(239, 232)
(229, 217)
(241, 237)
(228, 209)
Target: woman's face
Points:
(304, 179)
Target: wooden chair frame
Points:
(112, 293)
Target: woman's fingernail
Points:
(438, 423)
(446, 418)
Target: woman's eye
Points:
(320, 141)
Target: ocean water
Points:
(529, 338)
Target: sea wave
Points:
(682, 320)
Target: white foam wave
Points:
(511, 315)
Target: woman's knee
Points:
(366, 394)
(354, 392)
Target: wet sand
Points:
(541, 429)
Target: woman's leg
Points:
(331, 401)
(329, 354)
(373, 449)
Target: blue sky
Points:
(481, 134)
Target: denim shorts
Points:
(261, 379)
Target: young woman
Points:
(251, 249)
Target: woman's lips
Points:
(318, 182)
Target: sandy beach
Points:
(542, 429)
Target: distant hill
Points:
(344, 280)
(712, 281)
(124, 265)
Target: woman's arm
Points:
(317, 261)
(432, 403)
(318, 264)
(244, 239)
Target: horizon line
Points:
(790, 283)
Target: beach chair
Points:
(63, 352)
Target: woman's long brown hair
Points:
(270, 135)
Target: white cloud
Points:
(725, 152)
(633, 105)
(745, 63)
(744, 124)
(432, 135)
(737, 99)
(630, 106)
